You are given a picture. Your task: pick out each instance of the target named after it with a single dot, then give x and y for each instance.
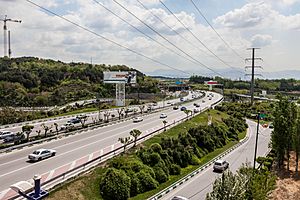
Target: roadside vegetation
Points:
(142, 171)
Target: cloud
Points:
(250, 15)
(261, 40)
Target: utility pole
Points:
(5, 32)
(256, 140)
(253, 71)
(9, 49)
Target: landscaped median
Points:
(155, 164)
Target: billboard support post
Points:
(120, 79)
(120, 94)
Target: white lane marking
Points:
(50, 175)
(72, 165)
(66, 144)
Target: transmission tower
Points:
(5, 31)
(253, 74)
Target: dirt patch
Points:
(287, 183)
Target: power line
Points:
(166, 39)
(197, 8)
(198, 38)
(142, 32)
(154, 15)
(104, 38)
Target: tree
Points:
(165, 123)
(56, 127)
(125, 141)
(27, 129)
(135, 133)
(120, 112)
(46, 128)
(38, 132)
(296, 139)
(142, 107)
(106, 116)
(187, 112)
(115, 185)
(83, 119)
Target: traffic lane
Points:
(60, 122)
(96, 134)
(73, 154)
(62, 158)
(197, 187)
(65, 140)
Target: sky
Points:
(184, 43)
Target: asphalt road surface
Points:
(15, 167)
(50, 122)
(197, 187)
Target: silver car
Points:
(5, 134)
(221, 165)
(41, 154)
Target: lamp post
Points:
(255, 150)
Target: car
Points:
(169, 103)
(74, 121)
(203, 101)
(67, 126)
(40, 154)
(181, 99)
(196, 110)
(154, 104)
(210, 98)
(183, 108)
(137, 119)
(179, 198)
(4, 134)
(271, 125)
(175, 108)
(163, 115)
(197, 105)
(220, 165)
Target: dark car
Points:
(74, 121)
(183, 108)
(175, 108)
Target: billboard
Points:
(119, 77)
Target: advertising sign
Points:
(119, 77)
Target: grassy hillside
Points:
(29, 81)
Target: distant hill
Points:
(228, 73)
(30, 81)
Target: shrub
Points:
(147, 181)
(156, 148)
(175, 169)
(115, 185)
(160, 174)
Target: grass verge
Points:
(87, 186)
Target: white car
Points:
(220, 165)
(40, 154)
(179, 198)
(163, 115)
(137, 119)
(67, 126)
(5, 134)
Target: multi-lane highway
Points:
(197, 187)
(14, 166)
(94, 115)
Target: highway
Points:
(15, 167)
(197, 187)
(50, 122)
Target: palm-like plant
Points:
(125, 141)
(135, 133)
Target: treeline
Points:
(260, 84)
(286, 134)
(129, 175)
(29, 81)
(240, 110)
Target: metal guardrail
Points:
(94, 126)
